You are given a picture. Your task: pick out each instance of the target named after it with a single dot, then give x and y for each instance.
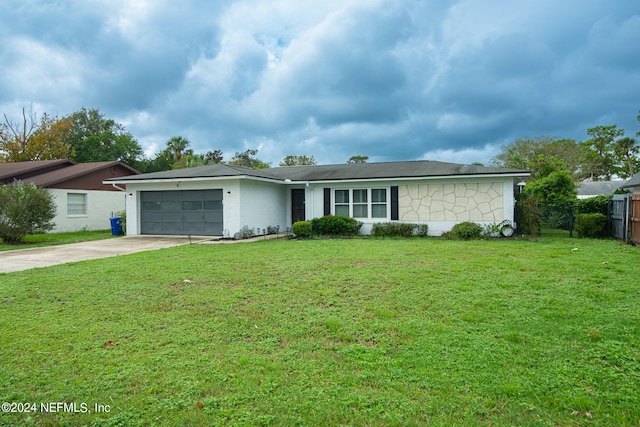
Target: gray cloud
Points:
(402, 80)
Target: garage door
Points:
(196, 212)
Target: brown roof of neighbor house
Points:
(64, 173)
(20, 170)
(407, 169)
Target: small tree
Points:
(24, 209)
(293, 160)
(358, 159)
(248, 160)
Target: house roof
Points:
(341, 172)
(48, 173)
(20, 170)
(74, 171)
(634, 181)
(597, 188)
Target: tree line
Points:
(608, 153)
(88, 136)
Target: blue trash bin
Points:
(116, 226)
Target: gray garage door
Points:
(196, 212)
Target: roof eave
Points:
(191, 179)
(411, 178)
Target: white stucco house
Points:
(83, 201)
(218, 200)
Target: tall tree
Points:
(536, 154)
(292, 160)
(177, 148)
(626, 152)
(33, 139)
(600, 159)
(98, 139)
(358, 159)
(247, 159)
(213, 157)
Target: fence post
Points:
(539, 205)
(570, 219)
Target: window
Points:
(379, 203)
(361, 203)
(342, 202)
(76, 203)
(360, 207)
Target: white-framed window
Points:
(76, 204)
(361, 203)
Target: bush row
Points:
(399, 229)
(330, 225)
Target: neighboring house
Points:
(220, 199)
(589, 189)
(632, 184)
(83, 202)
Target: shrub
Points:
(528, 215)
(422, 230)
(24, 209)
(598, 204)
(245, 233)
(466, 231)
(590, 224)
(331, 225)
(399, 229)
(301, 228)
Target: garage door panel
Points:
(172, 216)
(152, 228)
(213, 216)
(182, 212)
(171, 205)
(192, 195)
(153, 216)
(192, 217)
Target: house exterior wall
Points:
(439, 203)
(245, 202)
(262, 204)
(100, 205)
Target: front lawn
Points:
(329, 332)
(51, 239)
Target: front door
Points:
(297, 205)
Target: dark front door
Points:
(297, 205)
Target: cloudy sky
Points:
(449, 80)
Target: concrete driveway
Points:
(24, 259)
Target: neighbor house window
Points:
(361, 203)
(76, 203)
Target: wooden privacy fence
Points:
(624, 217)
(619, 216)
(634, 213)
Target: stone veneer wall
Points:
(451, 202)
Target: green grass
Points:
(51, 239)
(355, 332)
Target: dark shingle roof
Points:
(341, 172)
(597, 188)
(634, 181)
